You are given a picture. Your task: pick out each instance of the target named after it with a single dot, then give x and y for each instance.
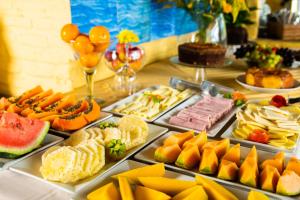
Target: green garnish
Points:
(116, 149)
(104, 125)
(228, 95)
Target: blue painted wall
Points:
(149, 19)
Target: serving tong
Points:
(205, 87)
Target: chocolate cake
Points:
(201, 54)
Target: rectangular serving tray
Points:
(212, 132)
(50, 140)
(130, 164)
(147, 155)
(31, 165)
(103, 116)
(134, 96)
(265, 147)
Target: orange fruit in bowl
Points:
(101, 47)
(90, 59)
(83, 44)
(69, 32)
(99, 34)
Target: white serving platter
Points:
(213, 131)
(130, 164)
(50, 140)
(103, 116)
(264, 147)
(31, 165)
(147, 155)
(241, 80)
(134, 96)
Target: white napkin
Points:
(19, 187)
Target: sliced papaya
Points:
(29, 93)
(151, 170)
(209, 162)
(39, 115)
(65, 102)
(79, 107)
(189, 157)
(92, 112)
(50, 100)
(37, 97)
(269, 178)
(228, 170)
(277, 161)
(294, 165)
(198, 140)
(69, 123)
(14, 108)
(4, 103)
(288, 183)
(215, 190)
(169, 186)
(144, 193)
(233, 154)
(167, 153)
(179, 138)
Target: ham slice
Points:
(203, 114)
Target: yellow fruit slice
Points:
(143, 193)
(125, 189)
(166, 185)
(186, 193)
(106, 192)
(215, 190)
(254, 195)
(151, 170)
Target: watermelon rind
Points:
(18, 151)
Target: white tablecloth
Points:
(15, 186)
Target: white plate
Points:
(175, 60)
(130, 164)
(103, 116)
(147, 155)
(213, 131)
(265, 147)
(31, 165)
(50, 140)
(134, 96)
(241, 80)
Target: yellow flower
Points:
(127, 36)
(227, 8)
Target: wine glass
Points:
(125, 60)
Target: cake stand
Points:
(200, 70)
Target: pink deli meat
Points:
(203, 114)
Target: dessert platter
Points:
(89, 153)
(272, 125)
(200, 113)
(242, 167)
(265, 73)
(150, 103)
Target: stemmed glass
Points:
(125, 60)
(87, 49)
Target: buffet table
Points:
(16, 186)
(160, 73)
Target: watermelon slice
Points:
(20, 135)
